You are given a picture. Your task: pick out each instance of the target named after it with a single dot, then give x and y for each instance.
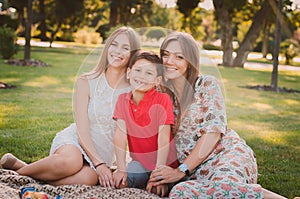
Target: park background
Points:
(239, 39)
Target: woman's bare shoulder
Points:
(82, 81)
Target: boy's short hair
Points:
(149, 56)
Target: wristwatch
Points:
(185, 169)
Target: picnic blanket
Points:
(11, 183)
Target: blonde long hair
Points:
(191, 53)
(134, 43)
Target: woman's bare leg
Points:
(11, 162)
(86, 175)
(271, 195)
(66, 161)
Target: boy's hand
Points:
(120, 179)
(160, 190)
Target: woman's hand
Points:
(120, 179)
(165, 175)
(105, 176)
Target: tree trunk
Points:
(277, 41)
(28, 30)
(225, 22)
(265, 42)
(54, 33)
(113, 16)
(43, 26)
(124, 13)
(247, 44)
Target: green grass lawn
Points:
(270, 123)
(41, 106)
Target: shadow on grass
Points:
(77, 50)
(269, 88)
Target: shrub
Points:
(66, 36)
(8, 46)
(290, 48)
(108, 33)
(155, 33)
(208, 46)
(87, 36)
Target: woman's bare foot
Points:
(9, 161)
(271, 195)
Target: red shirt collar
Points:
(148, 95)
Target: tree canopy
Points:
(247, 22)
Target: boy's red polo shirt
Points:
(142, 122)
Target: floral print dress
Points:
(230, 171)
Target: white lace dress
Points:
(100, 111)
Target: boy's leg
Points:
(137, 175)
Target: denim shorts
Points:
(137, 175)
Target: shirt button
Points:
(134, 110)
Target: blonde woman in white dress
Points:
(83, 152)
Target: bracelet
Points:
(97, 165)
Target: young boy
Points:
(144, 117)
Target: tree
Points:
(113, 17)
(274, 78)
(96, 16)
(161, 16)
(186, 8)
(20, 6)
(28, 30)
(67, 12)
(42, 18)
(140, 14)
(265, 39)
(129, 12)
(260, 12)
(249, 40)
(224, 11)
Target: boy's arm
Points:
(120, 140)
(163, 144)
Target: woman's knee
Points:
(67, 160)
(67, 165)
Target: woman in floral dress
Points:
(215, 161)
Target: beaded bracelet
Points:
(97, 165)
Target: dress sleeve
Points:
(212, 112)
